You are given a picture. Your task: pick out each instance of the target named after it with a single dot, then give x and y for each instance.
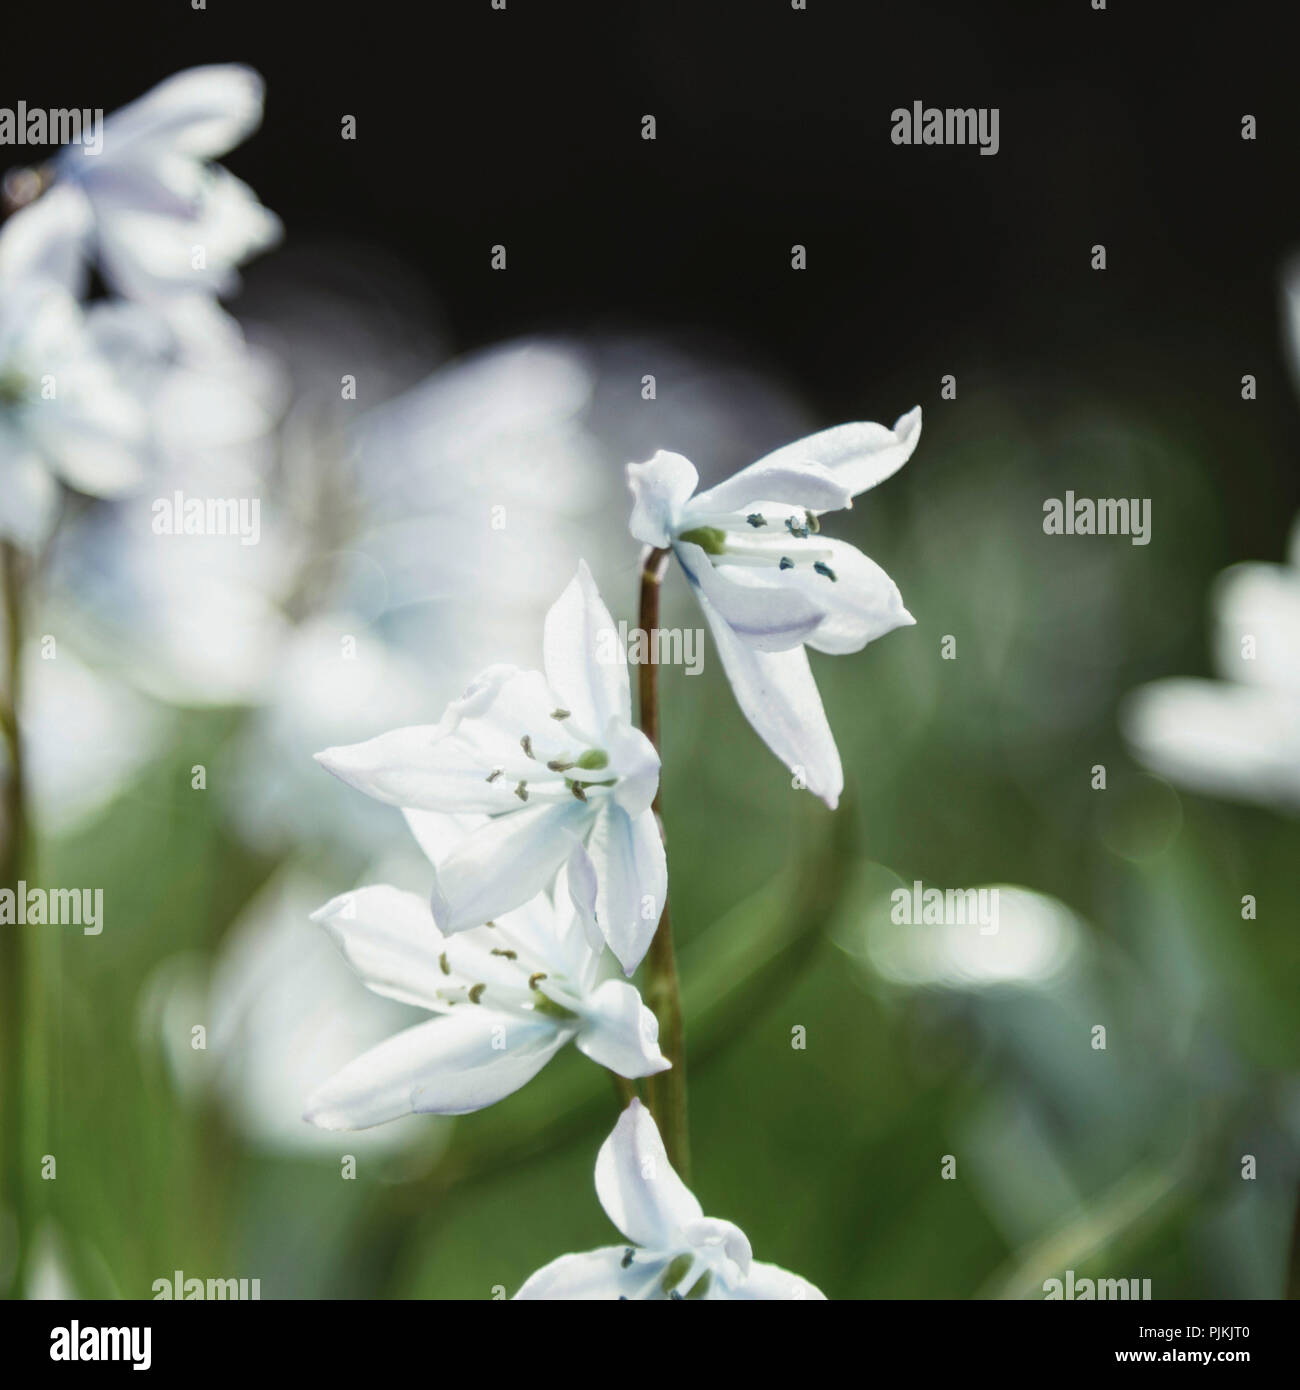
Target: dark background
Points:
(523, 127)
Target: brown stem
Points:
(667, 1091)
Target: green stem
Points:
(11, 954)
(666, 1091)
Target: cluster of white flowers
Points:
(533, 798)
(165, 228)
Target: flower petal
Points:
(709, 1234)
(860, 454)
(860, 604)
(1238, 741)
(770, 1282)
(634, 760)
(388, 937)
(793, 481)
(439, 832)
(660, 489)
(446, 1066)
(447, 766)
(583, 886)
(777, 694)
(201, 112)
(641, 1193)
(1262, 602)
(631, 880)
(46, 240)
(417, 767)
(597, 1274)
(29, 497)
(761, 610)
(620, 1033)
(583, 658)
(503, 863)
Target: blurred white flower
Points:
(510, 994)
(213, 401)
(1238, 737)
(330, 677)
(85, 735)
(513, 457)
(193, 621)
(283, 1014)
(769, 583)
(1036, 941)
(64, 415)
(49, 1273)
(151, 208)
(682, 1253)
(556, 764)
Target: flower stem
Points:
(624, 1089)
(11, 863)
(666, 1091)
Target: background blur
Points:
(523, 389)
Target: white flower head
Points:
(508, 994)
(151, 207)
(1238, 737)
(64, 415)
(676, 1251)
(770, 583)
(555, 764)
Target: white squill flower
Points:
(150, 207)
(676, 1251)
(1238, 737)
(770, 584)
(63, 414)
(509, 994)
(555, 763)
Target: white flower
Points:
(63, 414)
(1238, 737)
(555, 763)
(151, 197)
(769, 583)
(682, 1253)
(509, 994)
